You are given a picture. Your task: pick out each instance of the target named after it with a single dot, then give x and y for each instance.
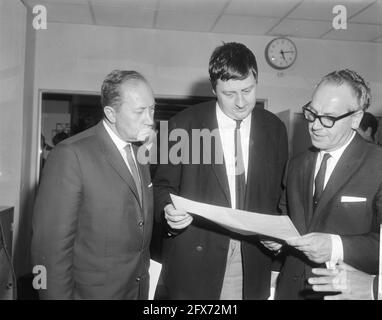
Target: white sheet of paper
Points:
(240, 221)
(154, 272)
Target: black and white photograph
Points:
(171, 151)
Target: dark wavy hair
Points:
(232, 61)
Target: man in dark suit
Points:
(93, 213)
(333, 191)
(240, 167)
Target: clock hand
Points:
(283, 55)
(288, 51)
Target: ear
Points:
(356, 119)
(368, 132)
(109, 114)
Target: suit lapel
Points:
(346, 166)
(114, 158)
(210, 121)
(308, 178)
(144, 173)
(257, 142)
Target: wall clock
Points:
(281, 53)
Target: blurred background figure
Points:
(59, 137)
(368, 127)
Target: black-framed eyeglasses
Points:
(326, 121)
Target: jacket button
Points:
(141, 223)
(199, 248)
(138, 279)
(9, 285)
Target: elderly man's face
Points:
(332, 100)
(134, 120)
(236, 98)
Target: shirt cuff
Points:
(337, 253)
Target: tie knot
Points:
(326, 157)
(238, 123)
(128, 147)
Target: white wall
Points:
(77, 57)
(12, 68)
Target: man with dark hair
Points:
(93, 213)
(368, 127)
(333, 191)
(242, 170)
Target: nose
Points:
(240, 101)
(149, 117)
(316, 124)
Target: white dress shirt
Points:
(337, 247)
(120, 144)
(227, 127)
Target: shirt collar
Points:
(226, 122)
(336, 154)
(119, 143)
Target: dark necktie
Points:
(133, 168)
(239, 169)
(319, 181)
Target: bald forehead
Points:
(331, 98)
(137, 92)
(342, 91)
(132, 84)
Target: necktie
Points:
(239, 169)
(319, 181)
(133, 168)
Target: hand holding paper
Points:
(177, 218)
(316, 246)
(240, 221)
(271, 245)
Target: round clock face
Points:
(281, 53)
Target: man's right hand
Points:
(177, 219)
(271, 245)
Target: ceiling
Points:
(293, 18)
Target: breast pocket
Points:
(353, 217)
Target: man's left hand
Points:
(352, 284)
(316, 246)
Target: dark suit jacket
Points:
(7, 278)
(194, 260)
(89, 230)
(358, 173)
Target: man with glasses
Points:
(334, 191)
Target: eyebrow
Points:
(324, 114)
(249, 87)
(245, 89)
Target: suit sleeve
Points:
(54, 221)
(278, 260)
(362, 251)
(166, 180)
(283, 156)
